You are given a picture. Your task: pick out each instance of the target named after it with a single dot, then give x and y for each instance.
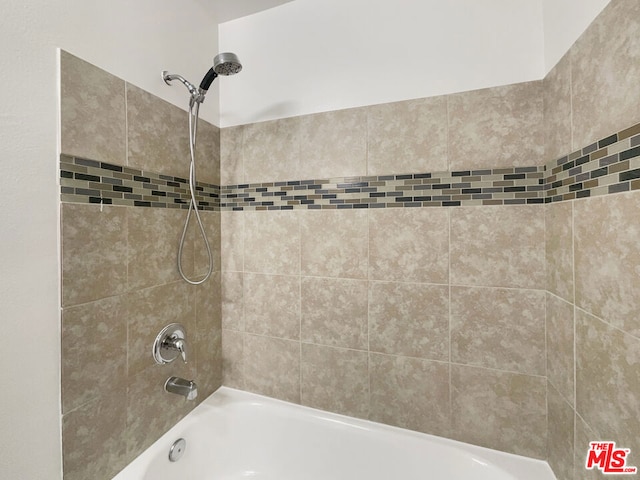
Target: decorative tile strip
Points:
(610, 165)
(502, 186)
(89, 181)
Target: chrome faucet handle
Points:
(170, 343)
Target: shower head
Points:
(223, 64)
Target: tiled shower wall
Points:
(120, 283)
(434, 318)
(593, 252)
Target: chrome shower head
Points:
(223, 64)
(226, 64)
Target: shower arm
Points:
(197, 95)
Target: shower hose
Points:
(194, 108)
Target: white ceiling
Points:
(226, 10)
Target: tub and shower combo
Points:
(235, 435)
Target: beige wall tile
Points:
(557, 110)
(496, 127)
(608, 380)
(272, 305)
(92, 109)
(334, 144)
(272, 367)
(232, 241)
(607, 260)
(231, 158)
(94, 438)
(206, 341)
(212, 227)
(94, 249)
(335, 379)
(410, 393)
(498, 246)
(498, 328)
(151, 411)
(559, 249)
(606, 63)
(148, 312)
(272, 242)
(271, 150)
(408, 137)
(584, 434)
(409, 245)
(233, 359)
(208, 153)
(334, 312)
(153, 239)
(94, 357)
(561, 426)
(158, 134)
(501, 410)
(560, 341)
(409, 319)
(334, 243)
(233, 301)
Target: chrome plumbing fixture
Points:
(177, 450)
(180, 386)
(170, 344)
(223, 64)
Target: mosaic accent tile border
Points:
(90, 181)
(610, 165)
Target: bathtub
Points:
(236, 435)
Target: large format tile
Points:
(608, 380)
(334, 144)
(557, 110)
(410, 393)
(334, 312)
(498, 246)
(208, 153)
(500, 410)
(206, 341)
(559, 249)
(408, 137)
(94, 357)
(606, 64)
(409, 245)
(272, 367)
(584, 434)
(334, 243)
(496, 127)
(561, 428)
(94, 251)
(158, 134)
(233, 359)
(212, 227)
(232, 241)
(93, 438)
(272, 242)
(148, 312)
(231, 163)
(498, 328)
(409, 319)
(272, 305)
(560, 351)
(335, 379)
(92, 111)
(271, 150)
(233, 301)
(607, 258)
(153, 240)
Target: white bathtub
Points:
(237, 435)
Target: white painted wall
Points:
(318, 55)
(564, 22)
(134, 40)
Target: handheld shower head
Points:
(223, 64)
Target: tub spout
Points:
(180, 386)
